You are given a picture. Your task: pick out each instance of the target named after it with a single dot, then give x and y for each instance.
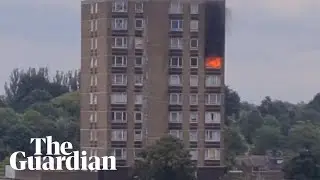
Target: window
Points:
(119, 42)
(118, 116)
(138, 61)
(138, 99)
(213, 99)
(94, 80)
(194, 80)
(194, 117)
(194, 154)
(194, 62)
(176, 43)
(175, 116)
(119, 153)
(175, 80)
(138, 43)
(193, 43)
(213, 81)
(175, 99)
(194, 8)
(120, 24)
(194, 25)
(176, 25)
(93, 152)
(119, 79)
(118, 135)
(94, 43)
(119, 61)
(139, 24)
(175, 8)
(212, 135)
(119, 98)
(212, 154)
(176, 62)
(93, 63)
(176, 133)
(93, 25)
(138, 80)
(137, 135)
(94, 8)
(93, 117)
(137, 153)
(139, 7)
(193, 99)
(93, 99)
(119, 6)
(212, 117)
(138, 116)
(193, 136)
(93, 135)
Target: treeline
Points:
(36, 104)
(275, 125)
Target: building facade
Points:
(152, 68)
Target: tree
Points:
(69, 102)
(34, 85)
(304, 135)
(250, 123)
(3, 102)
(315, 103)
(303, 167)
(270, 120)
(267, 138)
(276, 108)
(232, 103)
(234, 144)
(166, 159)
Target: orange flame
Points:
(214, 62)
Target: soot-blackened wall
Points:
(215, 28)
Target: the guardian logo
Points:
(62, 156)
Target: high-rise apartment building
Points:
(151, 68)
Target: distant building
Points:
(234, 175)
(260, 167)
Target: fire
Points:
(214, 62)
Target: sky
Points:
(272, 46)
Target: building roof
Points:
(252, 160)
(260, 161)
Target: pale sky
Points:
(272, 46)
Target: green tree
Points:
(166, 159)
(267, 138)
(305, 166)
(69, 102)
(3, 102)
(67, 129)
(304, 135)
(250, 123)
(34, 85)
(35, 105)
(270, 120)
(234, 144)
(315, 103)
(276, 108)
(232, 103)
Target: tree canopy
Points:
(166, 159)
(35, 105)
